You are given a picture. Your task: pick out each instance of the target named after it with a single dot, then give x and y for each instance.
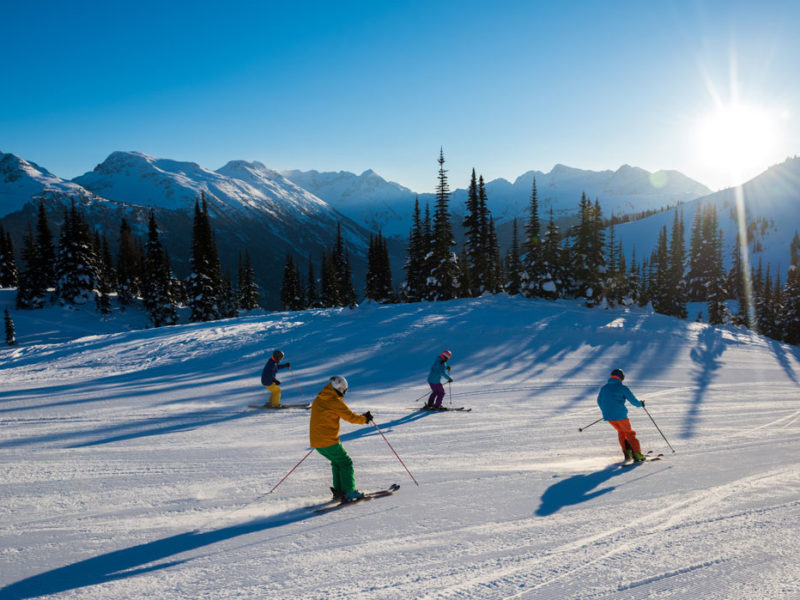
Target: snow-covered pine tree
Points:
(9, 276)
(11, 334)
(247, 287)
(533, 268)
(552, 261)
(767, 318)
(158, 295)
(204, 284)
(129, 266)
(513, 269)
(329, 295)
(229, 299)
(77, 263)
(443, 276)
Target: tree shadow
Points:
(136, 560)
(369, 430)
(706, 356)
(779, 350)
(576, 489)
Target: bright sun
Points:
(738, 139)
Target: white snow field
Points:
(131, 468)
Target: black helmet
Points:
(618, 374)
(277, 355)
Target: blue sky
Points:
(504, 87)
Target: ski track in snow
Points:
(131, 468)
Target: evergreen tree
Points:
(660, 275)
(9, 277)
(128, 266)
(344, 274)
(11, 335)
(379, 271)
(248, 292)
(229, 299)
(702, 254)
(717, 311)
(77, 263)
(533, 274)
(588, 262)
(765, 308)
(677, 296)
(553, 282)
(312, 298)
(32, 289)
(47, 251)
(790, 320)
(473, 256)
(416, 253)
(158, 294)
(204, 285)
(329, 289)
(444, 273)
(514, 264)
(107, 277)
(291, 289)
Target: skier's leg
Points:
(438, 392)
(621, 435)
(344, 477)
(627, 435)
(432, 397)
(274, 395)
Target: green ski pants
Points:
(344, 477)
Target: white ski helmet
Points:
(339, 383)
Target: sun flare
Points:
(738, 138)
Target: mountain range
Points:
(272, 214)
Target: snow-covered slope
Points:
(22, 181)
(388, 206)
(772, 205)
(130, 467)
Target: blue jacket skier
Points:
(611, 400)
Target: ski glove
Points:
(287, 365)
(368, 415)
(450, 380)
(277, 382)
(642, 401)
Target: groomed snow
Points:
(130, 467)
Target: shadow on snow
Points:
(137, 560)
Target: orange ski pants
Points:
(626, 434)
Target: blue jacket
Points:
(611, 400)
(438, 372)
(270, 370)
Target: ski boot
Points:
(639, 457)
(338, 494)
(353, 496)
(628, 454)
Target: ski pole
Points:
(590, 424)
(659, 430)
(421, 397)
(285, 477)
(295, 381)
(395, 453)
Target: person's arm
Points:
(631, 398)
(344, 412)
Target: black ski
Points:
(367, 496)
(648, 457)
(269, 407)
(445, 409)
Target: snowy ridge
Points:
(132, 469)
(773, 197)
(22, 180)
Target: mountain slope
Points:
(132, 469)
(772, 216)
